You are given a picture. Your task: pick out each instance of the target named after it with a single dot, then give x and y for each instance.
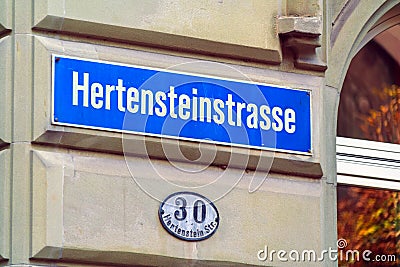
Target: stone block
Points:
(87, 207)
(5, 210)
(5, 90)
(216, 28)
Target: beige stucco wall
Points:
(67, 196)
(85, 202)
(95, 205)
(208, 27)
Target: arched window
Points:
(368, 148)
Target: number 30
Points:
(181, 214)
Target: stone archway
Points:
(350, 30)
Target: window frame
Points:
(368, 163)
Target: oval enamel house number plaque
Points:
(189, 216)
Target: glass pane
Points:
(369, 220)
(370, 98)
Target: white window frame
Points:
(368, 163)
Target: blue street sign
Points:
(141, 100)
